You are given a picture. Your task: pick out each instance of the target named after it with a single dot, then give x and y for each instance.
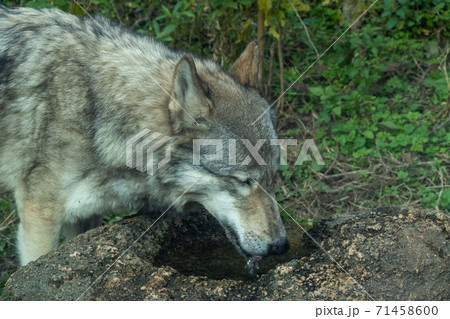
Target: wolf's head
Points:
(233, 158)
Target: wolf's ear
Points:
(245, 69)
(189, 107)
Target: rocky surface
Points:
(390, 253)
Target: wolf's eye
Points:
(245, 181)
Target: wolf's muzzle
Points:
(281, 246)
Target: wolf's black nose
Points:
(279, 247)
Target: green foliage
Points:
(380, 95)
(417, 17)
(8, 214)
(110, 218)
(275, 15)
(287, 214)
(172, 20)
(8, 220)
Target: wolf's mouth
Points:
(235, 241)
(246, 254)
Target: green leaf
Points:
(279, 197)
(169, 29)
(438, 7)
(402, 175)
(389, 124)
(281, 18)
(388, 5)
(392, 22)
(166, 10)
(368, 134)
(273, 32)
(265, 6)
(177, 6)
(317, 91)
(244, 30)
(156, 27)
(293, 131)
(62, 4)
(300, 6)
(401, 12)
(337, 110)
(38, 4)
(445, 199)
(230, 4)
(188, 14)
(432, 48)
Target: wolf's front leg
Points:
(39, 230)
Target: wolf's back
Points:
(42, 72)
(67, 85)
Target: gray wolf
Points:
(73, 91)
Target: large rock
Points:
(387, 254)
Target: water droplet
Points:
(251, 266)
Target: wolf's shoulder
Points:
(93, 31)
(21, 16)
(16, 19)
